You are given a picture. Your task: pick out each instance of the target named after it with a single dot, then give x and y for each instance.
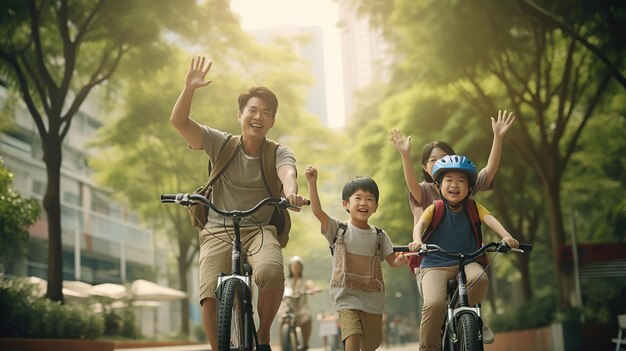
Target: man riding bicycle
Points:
(241, 186)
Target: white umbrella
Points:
(42, 286)
(79, 286)
(143, 290)
(110, 290)
(122, 304)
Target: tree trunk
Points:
(493, 289)
(562, 271)
(183, 269)
(52, 204)
(523, 264)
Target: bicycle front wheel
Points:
(467, 333)
(232, 330)
(288, 340)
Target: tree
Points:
(497, 53)
(16, 214)
(56, 52)
(611, 27)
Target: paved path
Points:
(205, 347)
(406, 347)
(199, 347)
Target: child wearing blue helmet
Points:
(455, 176)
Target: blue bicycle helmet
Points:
(456, 163)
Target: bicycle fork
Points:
(249, 329)
(459, 297)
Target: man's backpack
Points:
(440, 209)
(280, 217)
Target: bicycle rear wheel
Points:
(288, 340)
(468, 329)
(231, 316)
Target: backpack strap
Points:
(439, 211)
(342, 230)
(379, 236)
(223, 159)
(472, 214)
(268, 168)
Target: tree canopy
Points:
(460, 60)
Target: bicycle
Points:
(235, 319)
(291, 336)
(462, 325)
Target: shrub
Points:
(24, 315)
(120, 322)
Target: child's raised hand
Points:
(197, 72)
(310, 173)
(403, 145)
(502, 124)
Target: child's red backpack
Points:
(440, 209)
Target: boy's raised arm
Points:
(499, 127)
(310, 172)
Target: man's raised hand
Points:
(197, 73)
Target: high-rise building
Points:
(366, 57)
(102, 241)
(311, 50)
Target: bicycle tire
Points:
(446, 343)
(231, 317)
(467, 333)
(289, 341)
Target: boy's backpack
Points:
(280, 217)
(440, 209)
(343, 227)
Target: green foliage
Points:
(199, 334)
(603, 165)
(16, 214)
(55, 53)
(459, 62)
(535, 313)
(26, 316)
(120, 322)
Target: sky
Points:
(262, 14)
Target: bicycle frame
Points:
(237, 262)
(234, 299)
(458, 303)
(462, 323)
(291, 332)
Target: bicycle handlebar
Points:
(186, 199)
(289, 294)
(491, 247)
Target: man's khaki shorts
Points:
(261, 248)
